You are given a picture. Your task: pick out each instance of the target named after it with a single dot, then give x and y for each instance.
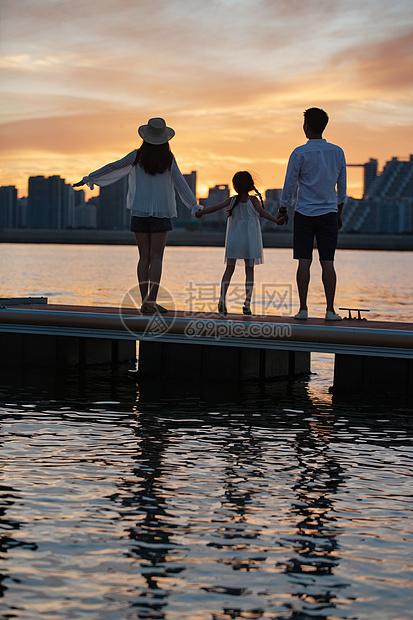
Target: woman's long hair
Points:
(154, 158)
(243, 182)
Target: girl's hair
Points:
(154, 158)
(243, 182)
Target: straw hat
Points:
(156, 131)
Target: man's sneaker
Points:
(332, 316)
(302, 315)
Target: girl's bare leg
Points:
(249, 284)
(226, 279)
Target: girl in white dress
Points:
(243, 238)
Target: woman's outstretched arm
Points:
(110, 173)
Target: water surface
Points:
(125, 500)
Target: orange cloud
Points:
(232, 81)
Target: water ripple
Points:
(276, 504)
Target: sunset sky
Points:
(232, 77)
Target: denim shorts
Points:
(324, 228)
(150, 224)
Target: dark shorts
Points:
(150, 224)
(322, 227)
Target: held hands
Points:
(198, 214)
(281, 219)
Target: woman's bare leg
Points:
(143, 241)
(157, 247)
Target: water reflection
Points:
(316, 541)
(6, 542)
(226, 501)
(240, 481)
(144, 505)
(8, 495)
(156, 502)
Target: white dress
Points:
(243, 238)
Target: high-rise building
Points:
(84, 214)
(8, 207)
(68, 211)
(22, 212)
(50, 203)
(79, 197)
(216, 194)
(388, 207)
(274, 195)
(44, 202)
(370, 174)
(112, 213)
(38, 203)
(396, 180)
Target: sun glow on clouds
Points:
(231, 76)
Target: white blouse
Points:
(315, 169)
(148, 195)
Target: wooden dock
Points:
(367, 353)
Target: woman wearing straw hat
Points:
(153, 176)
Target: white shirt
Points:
(148, 195)
(314, 171)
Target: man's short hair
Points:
(316, 119)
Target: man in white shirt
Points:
(316, 183)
